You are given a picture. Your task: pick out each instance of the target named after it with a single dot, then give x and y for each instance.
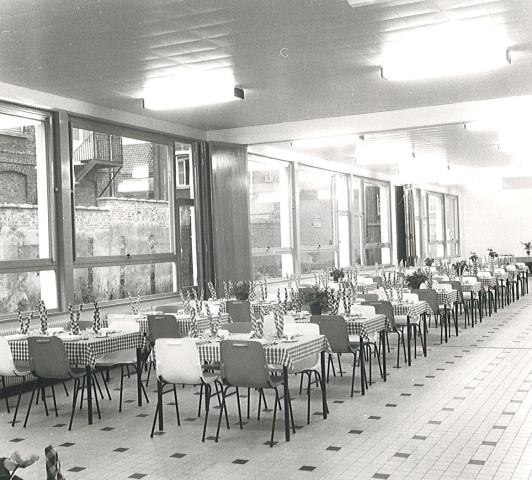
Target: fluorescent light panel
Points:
(191, 89)
(455, 48)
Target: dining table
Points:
(489, 284)
(411, 310)
(283, 352)
(365, 327)
(449, 300)
(84, 350)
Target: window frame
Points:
(51, 262)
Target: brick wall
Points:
(101, 230)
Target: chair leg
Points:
(308, 398)
(121, 388)
(176, 406)
(239, 410)
(274, 416)
(340, 365)
(5, 393)
(66, 389)
(18, 401)
(105, 384)
(353, 374)
(200, 398)
(53, 397)
(96, 396)
(207, 404)
(224, 392)
(159, 405)
(35, 384)
(43, 396)
(74, 400)
(98, 385)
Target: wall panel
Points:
(230, 211)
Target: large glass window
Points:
(133, 214)
(27, 260)
(377, 223)
(436, 225)
(344, 234)
(452, 236)
(357, 220)
(316, 219)
(270, 205)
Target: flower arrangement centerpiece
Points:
(316, 298)
(429, 261)
(475, 263)
(388, 285)
(528, 247)
(414, 280)
(337, 274)
(429, 281)
(242, 290)
(492, 253)
(459, 268)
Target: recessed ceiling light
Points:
(191, 89)
(454, 48)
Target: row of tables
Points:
(87, 350)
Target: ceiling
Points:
(295, 59)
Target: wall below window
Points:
(500, 220)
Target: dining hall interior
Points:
(221, 166)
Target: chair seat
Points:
(118, 358)
(209, 377)
(78, 371)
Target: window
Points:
(316, 220)
(452, 236)
(377, 223)
(270, 201)
(436, 225)
(27, 258)
(132, 231)
(357, 220)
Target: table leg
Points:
(160, 403)
(362, 367)
(323, 385)
(445, 321)
(89, 395)
(383, 339)
(456, 317)
(139, 376)
(424, 334)
(408, 340)
(286, 405)
(480, 306)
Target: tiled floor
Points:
(465, 411)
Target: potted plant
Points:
(528, 247)
(414, 280)
(429, 261)
(492, 253)
(337, 273)
(242, 290)
(459, 267)
(316, 298)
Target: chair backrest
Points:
(377, 279)
(167, 308)
(243, 364)
(484, 274)
(457, 285)
(410, 297)
(112, 317)
(384, 307)
(48, 358)
(431, 297)
(364, 310)
(239, 327)
(334, 327)
(302, 329)
(178, 361)
(7, 365)
(469, 280)
(163, 326)
(368, 297)
(238, 310)
(125, 326)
